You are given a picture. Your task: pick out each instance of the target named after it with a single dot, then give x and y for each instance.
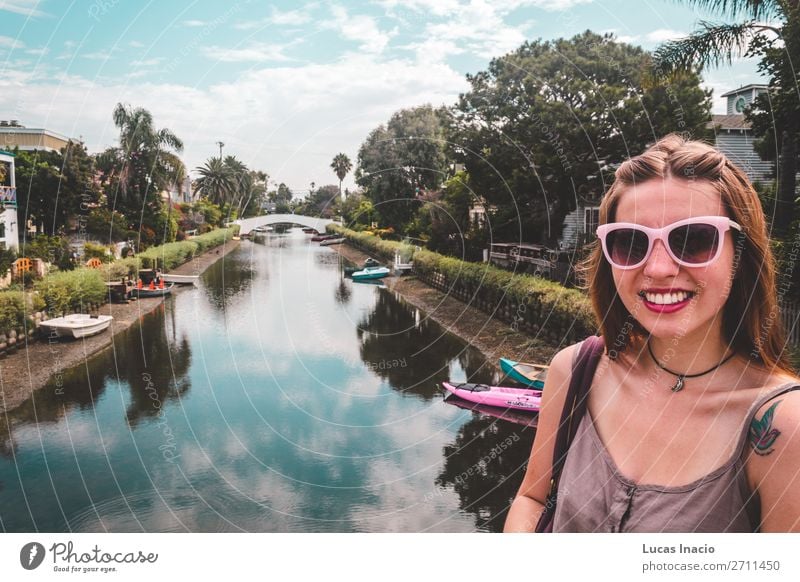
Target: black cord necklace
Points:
(681, 377)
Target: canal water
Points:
(276, 396)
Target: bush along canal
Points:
(276, 396)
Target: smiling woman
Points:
(682, 280)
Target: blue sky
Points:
(285, 85)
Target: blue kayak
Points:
(532, 375)
(370, 273)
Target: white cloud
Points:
(12, 43)
(664, 34)
(289, 121)
(194, 23)
(254, 52)
(148, 62)
(361, 28)
(24, 7)
(136, 44)
(276, 17)
(38, 51)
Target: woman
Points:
(693, 420)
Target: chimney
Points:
(15, 123)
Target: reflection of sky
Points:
(283, 428)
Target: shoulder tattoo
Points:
(762, 433)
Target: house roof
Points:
(745, 88)
(736, 121)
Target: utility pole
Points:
(220, 144)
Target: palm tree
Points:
(771, 31)
(216, 181)
(341, 165)
(143, 162)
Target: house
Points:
(734, 137)
(9, 227)
(13, 135)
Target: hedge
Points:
(68, 291)
(532, 303)
(170, 255)
(13, 308)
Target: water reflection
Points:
(229, 277)
(412, 352)
(485, 466)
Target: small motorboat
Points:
(370, 262)
(370, 273)
(532, 375)
(524, 417)
(498, 396)
(310, 231)
(144, 292)
(77, 325)
(322, 237)
(332, 241)
(180, 279)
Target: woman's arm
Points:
(773, 464)
(527, 506)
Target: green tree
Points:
(400, 160)
(341, 165)
(322, 202)
(771, 32)
(143, 164)
(216, 182)
(546, 125)
(54, 187)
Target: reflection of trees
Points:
(139, 350)
(154, 369)
(228, 277)
(411, 351)
(343, 292)
(485, 466)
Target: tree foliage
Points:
(771, 33)
(341, 166)
(54, 186)
(546, 125)
(399, 160)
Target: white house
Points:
(9, 227)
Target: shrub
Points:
(97, 251)
(72, 290)
(14, 306)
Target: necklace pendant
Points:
(678, 385)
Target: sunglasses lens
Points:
(627, 246)
(694, 243)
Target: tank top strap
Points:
(774, 393)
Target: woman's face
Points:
(670, 300)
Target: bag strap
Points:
(574, 408)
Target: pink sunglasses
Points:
(693, 242)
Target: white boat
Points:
(180, 279)
(332, 241)
(76, 325)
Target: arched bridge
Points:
(248, 224)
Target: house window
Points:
(591, 219)
(2, 229)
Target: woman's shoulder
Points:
(774, 458)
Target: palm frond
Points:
(712, 45)
(750, 9)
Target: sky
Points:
(286, 85)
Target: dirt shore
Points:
(34, 363)
(494, 338)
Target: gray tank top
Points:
(594, 497)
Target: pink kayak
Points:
(500, 396)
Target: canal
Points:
(276, 396)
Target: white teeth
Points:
(666, 298)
